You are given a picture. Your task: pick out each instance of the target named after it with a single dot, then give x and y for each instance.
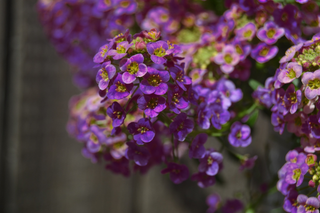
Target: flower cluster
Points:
(155, 101)
(78, 28)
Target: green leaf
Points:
(254, 84)
(253, 118)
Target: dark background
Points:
(41, 167)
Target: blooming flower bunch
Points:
(78, 28)
(293, 95)
(157, 102)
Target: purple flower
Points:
(248, 163)
(117, 114)
(197, 149)
(312, 126)
(292, 98)
(296, 169)
(104, 75)
(263, 95)
(263, 52)
(239, 135)
(228, 58)
(216, 97)
(285, 17)
(247, 32)
(119, 166)
(213, 201)
(139, 154)
(133, 68)
(103, 53)
(312, 83)
(204, 115)
(203, 179)
(125, 7)
(178, 173)
(278, 122)
(211, 163)
(308, 205)
(290, 53)
(96, 139)
(176, 100)
(292, 71)
(232, 206)
(179, 77)
(158, 50)
(228, 89)
(155, 82)
(142, 131)
(270, 33)
(290, 202)
(152, 104)
(242, 48)
(119, 89)
(181, 127)
(220, 116)
(120, 51)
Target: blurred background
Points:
(41, 167)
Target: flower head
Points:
(270, 33)
(117, 114)
(142, 131)
(152, 104)
(178, 173)
(155, 81)
(158, 51)
(181, 126)
(133, 68)
(239, 135)
(119, 89)
(311, 80)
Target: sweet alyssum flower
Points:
(104, 75)
(139, 154)
(152, 104)
(311, 80)
(142, 131)
(178, 173)
(210, 163)
(270, 33)
(181, 126)
(155, 81)
(197, 149)
(117, 114)
(158, 50)
(291, 72)
(263, 52)
(239, 135)
(228, 58)
(133, 67)
(119, 89)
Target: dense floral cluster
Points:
(78, 28)
(162, 93)
(293, 95)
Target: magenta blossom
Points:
(270, 33)
(178, 173)
(228, 58)
(291, 72)
(312, 83)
